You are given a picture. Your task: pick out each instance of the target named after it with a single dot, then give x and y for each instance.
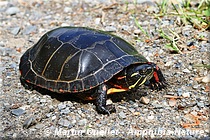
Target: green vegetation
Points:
(140, 27)
(203, 66)
(188, 13)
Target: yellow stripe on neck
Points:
(134, 85)
(134, 74)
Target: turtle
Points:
(89, 63)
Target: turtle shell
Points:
(76, 59)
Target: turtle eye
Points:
(142, 71)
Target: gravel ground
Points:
(180, 111)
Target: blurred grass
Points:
(196, 15)
(203, 66)
(189, 12)
(141, 28)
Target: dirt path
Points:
(181, 111)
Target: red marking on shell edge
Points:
(75, 89)
(50, 89)
(89, 98)
(39, 85)
(118, 86)
(156, 76)
(61, 90)
(27, 81)
(122, 77)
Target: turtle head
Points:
(138, 74)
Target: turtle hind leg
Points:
(27, 85)
(101, 101)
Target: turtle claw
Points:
(158, 82)
(106, 110)
(158, 85)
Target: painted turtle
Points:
(88, 62)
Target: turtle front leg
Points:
(101, 101)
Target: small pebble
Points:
(190, 43)
(61, 106)
(125, 27)
(178, 65)
(179, 90)
(97, 21)
(82, 122)
(203, 48)
(65, 111)
(156, 105)
(1, 82)
(144, 100)
(79, 111)
(169, 63)
(12, 10)
(164, 103)
(38, 126)
(18, 112)
(122, 123)
(196, 86)
(29, 29)
(15, 30)
(73, 121)
(51, 108)
(206, 79)
(64, 24)
(186, 71)
(64, 122)
(6, 106)
(172, 102)
(151, 117)
(186, 94)
(48, 115)
(109, 102)
(194, 113)
(122, 107)
(43, 100)
(54, 117)
(186, 33)
(152, 9)
(131, 102)
(4, 3)
(14, 135)
(170, 93)
(137, 32)
(122, 115)
(137, 113)
(131, 110)
(29, 122)
(165, 23)
(200, 104)
(67, 9)
(110, 28)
